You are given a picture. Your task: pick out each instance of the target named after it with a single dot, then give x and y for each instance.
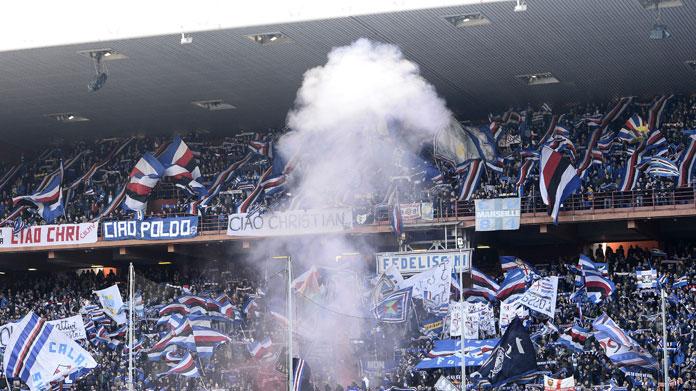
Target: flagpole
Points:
(461, 318)
(290, 369)
(130, 326)
(665, 358)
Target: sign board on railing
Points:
(498, 214)
(151, 228)
(294, 222)
(411, 262)
(49, 235)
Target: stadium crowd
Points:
(635, 310)
(87, 199)
(400, 347)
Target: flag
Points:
(39, 354)
(681, 282)
(566, 384)
(579, 333)
(585, 263)
(513, 359)
(206, 340)
(515, 282)
(180, 165)
(508, 262)
(432, 286)
(655, 113)
(110, 299)
(566, 341)
(174, 308)
(301, 375)
(686, 163)
(307, 284)
(646, 279)
(186, 367)
(469, 178)
(621, 349)
(484, 283)
(48, 198)
(636, 127)
(396, 219)
(142, 180)
(595, 282)
(223, 178)
(259, 349)
(601, 125)
(557, 181)
(541, 296)
(394, 307)
(525, 168)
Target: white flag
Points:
(39, 354)
(73, 327)
(110, 299)
(541, 296)
(509, 308)
(433, 286)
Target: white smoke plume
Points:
(352, 118)
(352, 114)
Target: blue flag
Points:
(513, 359)
(394, 308)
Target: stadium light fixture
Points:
(275, 37)
(521, 6)
(535, 79)
(654, 4)
(213, 105)
(659, 30)
(483, 246)
(32, 269)
(467, 20)
(67, 117)
(186, 39)
(691, 64)
(164, 263)
(2, 273)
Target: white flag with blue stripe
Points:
(39, 354)
(111, 301)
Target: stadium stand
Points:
(379, 231)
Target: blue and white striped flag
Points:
(39, 354)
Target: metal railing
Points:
(602, 202)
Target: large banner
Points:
(73, 327)
(498, 214)
(294, 222)
(416, 211)
(151, 228)
(541, 296)
(509, 309)
(49, 235)
(415, 262)
(646, 279)
(478, 318)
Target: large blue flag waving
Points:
(513, 359)
(40, 354)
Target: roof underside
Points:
(598, 49)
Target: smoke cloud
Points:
(352, 115)
(353, 118)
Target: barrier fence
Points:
(531, 206)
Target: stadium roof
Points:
(597, 49)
